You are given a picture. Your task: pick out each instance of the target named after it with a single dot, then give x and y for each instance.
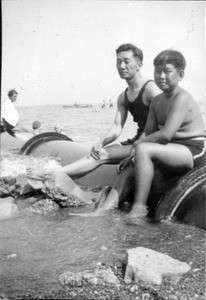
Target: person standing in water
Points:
(110, 103)
(103, 104)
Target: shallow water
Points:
(35, 249)
(43, 247)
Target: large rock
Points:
(8, 208)
(152, 266)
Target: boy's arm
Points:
(150, 128)
(175, 117)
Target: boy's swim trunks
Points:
(197, 147)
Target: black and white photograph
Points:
(103, 150)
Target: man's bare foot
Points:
(102, 197)
(38, 174)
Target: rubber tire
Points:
(40, 139)
(168, 205)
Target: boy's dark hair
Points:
(11, 92)
(170, 56)
(126, 47)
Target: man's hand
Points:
(96, 151)
(124, 164)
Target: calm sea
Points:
(81, 124)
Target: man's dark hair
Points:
(126, 47)
(11, 92)
(170, 57)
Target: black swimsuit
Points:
(139, 111)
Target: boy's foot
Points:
(137, 217)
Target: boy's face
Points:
(167, 77)
(127, 64)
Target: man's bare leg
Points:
(119, 191)
(110, 196)
(87, 164)
(171, 155)
(62, 182)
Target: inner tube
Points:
(186, 201)
(180, 198)
(66, 151)
(41, 139)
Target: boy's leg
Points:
(173, 156)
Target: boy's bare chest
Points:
(161, 111)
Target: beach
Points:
(35, 249)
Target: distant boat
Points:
(76, 106)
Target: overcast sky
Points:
(62, 51)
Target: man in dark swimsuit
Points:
(136, 99)
(139, 111)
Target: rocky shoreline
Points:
(107, 280)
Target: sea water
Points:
(35, 249)
(85, 125)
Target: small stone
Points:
(146, 296)
(8, 208)
(73, 294)
(188, 236)
(195, 270)
(173, 297)
(133, 289)
(103, 248)
(12, 256)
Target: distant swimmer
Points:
(110, 103)
(103, 103)
(36, 127)
(59, 129)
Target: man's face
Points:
(167, 76)
(13, 97)
(127, 64)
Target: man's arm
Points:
(115, 130)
